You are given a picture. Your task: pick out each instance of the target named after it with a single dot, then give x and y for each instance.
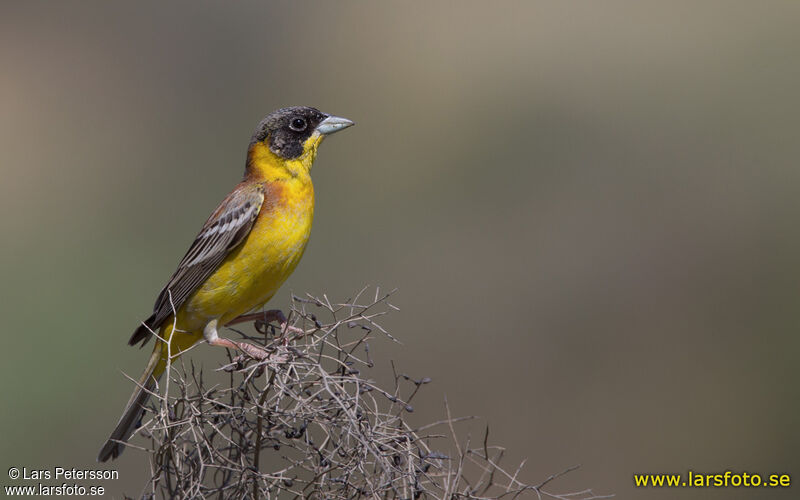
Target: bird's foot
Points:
(262, 319)
(250, 351)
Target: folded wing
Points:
(227, 227)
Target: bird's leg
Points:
(255, 352)
(261, 319)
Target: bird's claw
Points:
(260, 354)
(262, 320)
(254, 352)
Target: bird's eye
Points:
(297, 124)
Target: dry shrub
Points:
(307, 423)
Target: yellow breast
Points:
(252, 273)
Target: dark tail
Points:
(135, 408)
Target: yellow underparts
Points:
(252, 273)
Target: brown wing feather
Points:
(223, 231)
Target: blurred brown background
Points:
(591, 211)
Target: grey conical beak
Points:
(333, 124)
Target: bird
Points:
(244, 252)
